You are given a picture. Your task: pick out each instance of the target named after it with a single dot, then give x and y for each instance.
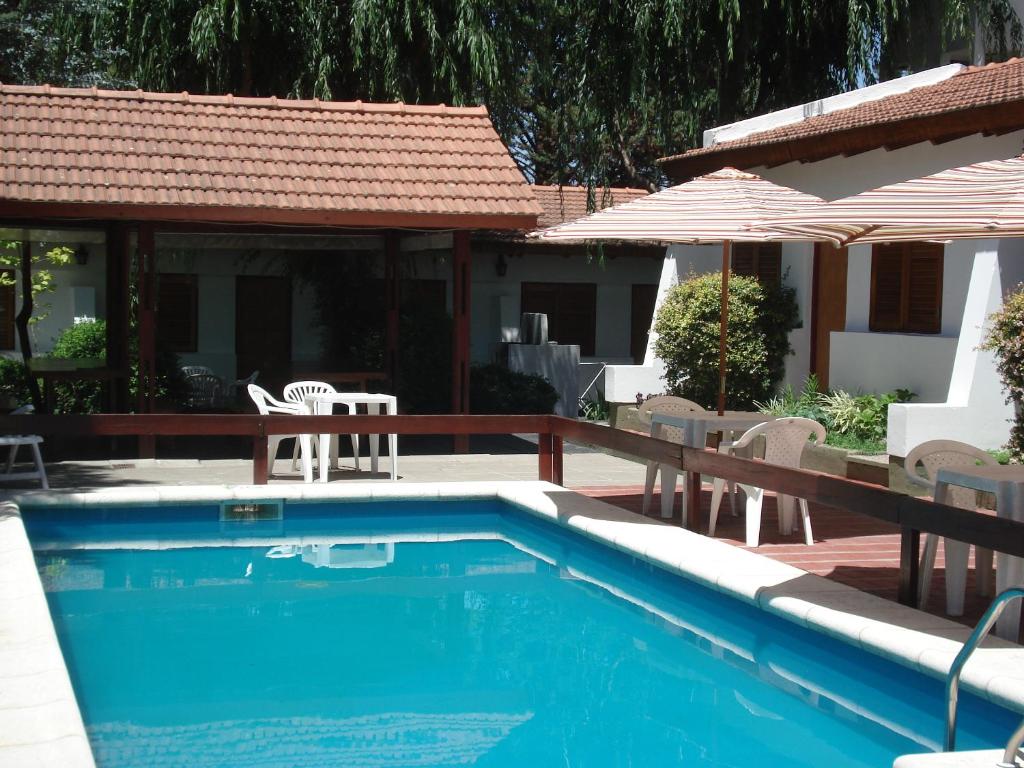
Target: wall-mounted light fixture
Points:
(501, 266)
(81, 255)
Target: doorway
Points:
(263, 328)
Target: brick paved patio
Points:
(852, 549)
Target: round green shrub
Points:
(1006, 339)
(760, 319)
(496, 389)
(81, 340)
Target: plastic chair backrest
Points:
(194, 370)
(267, 404)
(671, 405)
(784, 439)
(204, 389)
(296, 391)
(934, 455)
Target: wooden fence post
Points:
(910, 558)
(259, 460)
(556, 460)
(544, 456)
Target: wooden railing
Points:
(912, 515)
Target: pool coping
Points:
(912, 638)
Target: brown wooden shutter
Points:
(760, 260)
(7, 301)
(177, 312)
(924, 289)
(886, 288)
(769, 263)
(744, 260)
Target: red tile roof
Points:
(986, 99)
(561, 204)
(134, 154)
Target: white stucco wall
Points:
(494, 297)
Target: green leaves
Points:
(760, 319)
(581, 91)
(1005, 338)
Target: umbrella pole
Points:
(723, 327)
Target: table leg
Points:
(668, 490)
(324, 458)
(306, 449)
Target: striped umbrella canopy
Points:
(973, 201)
(719, 207)
(713, 208)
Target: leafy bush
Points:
(89, 340)
(12, 381)
(496, 389)
(1006, 339)
(81, 340)
(853, 421)
(760, 319)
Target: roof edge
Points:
(24, 210)
(230, 100)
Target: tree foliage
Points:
(582, 91)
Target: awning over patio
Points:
(974, 201)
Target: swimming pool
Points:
(437, 633)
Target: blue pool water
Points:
(514, 643)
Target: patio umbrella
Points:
(981, 200)
(719, 207)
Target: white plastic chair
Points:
(267, 405)
(238, 385)
(14, 442)
(932, 456)
(784, 444)
(194, 370)
(296, 392)
(674, 406)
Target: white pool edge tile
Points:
(909, 637)
(40, 722)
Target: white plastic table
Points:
(323, 405)
(696, 428)
(1006, 483)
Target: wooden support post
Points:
(692, 511)
(259, 460)
(118, 282)
(392, 300)
(461, 276)
(145, 268)
(910, 572)
(556, 460)
(544, 464)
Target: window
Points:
(7, 301)
(177, 318)
(571, 309)
(760, 260)
(906, 287)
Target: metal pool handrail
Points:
(953, 676)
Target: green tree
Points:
(582, 91)
(31, 277)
